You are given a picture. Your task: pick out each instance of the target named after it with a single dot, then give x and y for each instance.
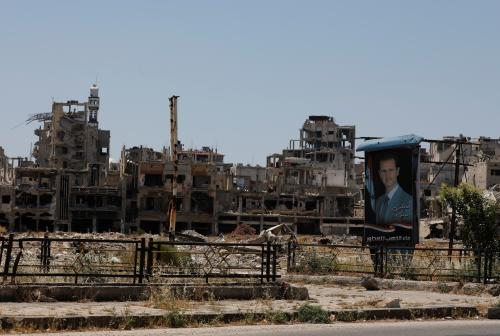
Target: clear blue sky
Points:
(250, 72)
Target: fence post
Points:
(268, 261)
(376, 260)
(49, 245)
(45, 253)
(1, 249)
(382, 259)
(262, 264)
(142, 257)
(149, 262)
(274, 262)
(8, 256)
(289, 256)
(485, 272)
(16, 261)
(491, 265)
(478, 264)
(135, 261)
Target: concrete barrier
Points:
(494, 313)
(158, 320)
(49, 293)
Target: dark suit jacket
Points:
(399, 209)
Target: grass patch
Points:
(276, 316)
(175, 319)
(317, 264)
(312, 314)
(250, 318)
(171, 256)
(346, 316)
(163, 298)
(444, 288)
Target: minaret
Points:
(93, 104)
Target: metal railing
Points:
(396, 262)
(136, 261)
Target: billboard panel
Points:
(391, 196)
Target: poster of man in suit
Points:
(391, 196)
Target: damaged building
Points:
(72, 186)
(66, 187)
(311, 185)
(479, 165)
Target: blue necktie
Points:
(383, 209)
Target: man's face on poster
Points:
(389, 173)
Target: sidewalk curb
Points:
(143, 321)
(494, 313)
(388, 284)
(97, 292)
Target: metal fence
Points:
(137, 261)
(395, 262)
(81, 260)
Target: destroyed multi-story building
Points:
(66, 187)
(472, 152)
(72, 186)
(310, 185)
(478, 164)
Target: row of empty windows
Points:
(495, 172)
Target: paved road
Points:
(420, 328)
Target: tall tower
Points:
(93, 104)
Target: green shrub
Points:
(316, 264)
(174, 319)
(312, 314)
(480, 216)
(250, 318)
(276, 316)
(169, 255)
(346, 316)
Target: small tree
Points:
(480, 216)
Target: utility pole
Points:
(453, 227)
(172, 211)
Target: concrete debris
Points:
(473, 288)
(395, 303)
(325, 241)
(370, 283)
(192, 235)
(277, 234)
(494, 290)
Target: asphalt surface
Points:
(413, 328)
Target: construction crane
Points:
(172, 209)
(39, 117)
(35, 117)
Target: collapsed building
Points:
(310, 185)
(479, 165)
(72, 186)
(66, 187)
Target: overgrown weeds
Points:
(312, 314)
(276, 316)
(171, 256)
(317, 264)
(163, 298)
(175, 319)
